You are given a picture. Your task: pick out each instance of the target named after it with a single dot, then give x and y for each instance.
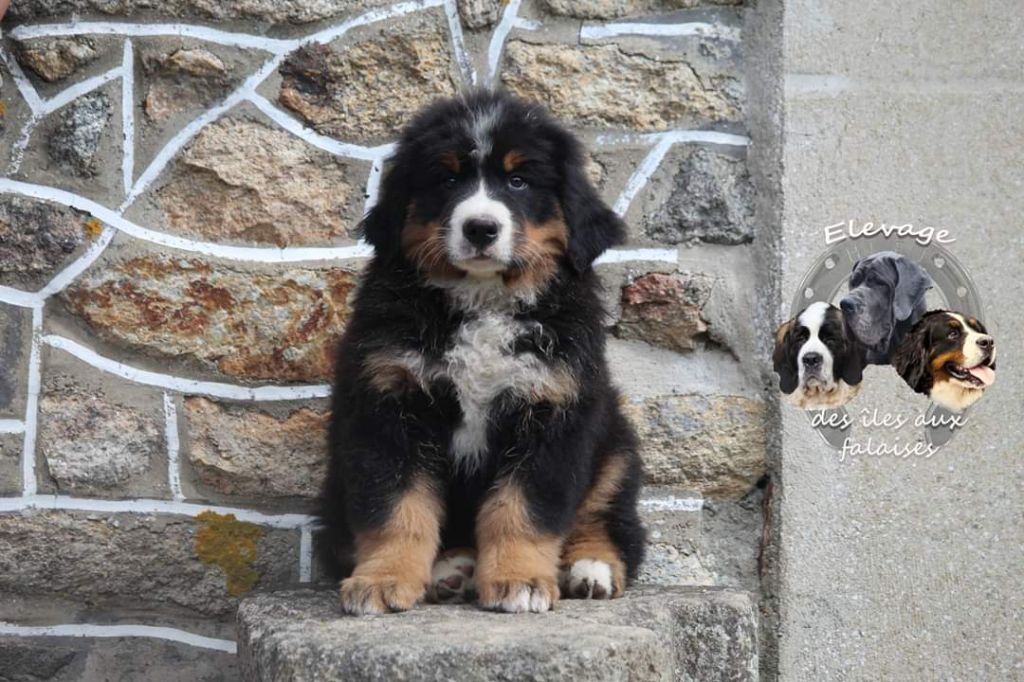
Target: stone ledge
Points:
(650, 634)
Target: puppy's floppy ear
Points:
(382, 226)
(911, 358)
(783, 361)
(911, 284)
(593, 227)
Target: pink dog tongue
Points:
(985, 374)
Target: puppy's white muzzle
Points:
(475, 209)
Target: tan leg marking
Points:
(393, 563)
(589, 543)
(396, 372)
(517, 564)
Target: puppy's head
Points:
(818, 364)
(488, 186)
(949, 357)
(885, 288)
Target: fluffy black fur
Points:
(380, 442)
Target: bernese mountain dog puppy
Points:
(819, 363)
(949, 357)
(476, 440)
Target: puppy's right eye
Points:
(953, 334)
(450, 181)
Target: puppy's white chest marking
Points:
(481, 365)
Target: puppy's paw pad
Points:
(536, 596)
(452, 581)
(364, 595)
(588, 579)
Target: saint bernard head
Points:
(949, 357)
(818, 363)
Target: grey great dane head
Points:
(886, 298)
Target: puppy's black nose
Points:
(480, 232)
(811, 360)
(986, 342)
(848, 305)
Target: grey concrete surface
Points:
(889, 568)
(650, 634)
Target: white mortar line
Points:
(673, 503)
(135, 30)
(173, 447)
(28, 451)
(128, 116)
(451, 11)
(73, 270)
(182, 137)
(125, 630)
(373, 16)
(21, 144)
(35, 106)
(656, 155)
(708, 136)
(641, 175)
(24, 85)
(691, 28)
(17, 297)
(648, 255)
(179, 385)
(306, 555)
(501, 31)
(373, 185)
(147, 506)
(65, 97)
(525, 24)
(117, 221)
(677, 136)
(12, 426)
(328, 144)
(248, 89)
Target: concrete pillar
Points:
(888, 568)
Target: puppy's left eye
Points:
(450, 181)
(517, 182)
(954, 334)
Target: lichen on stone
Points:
(231, 545)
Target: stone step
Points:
(652, 633)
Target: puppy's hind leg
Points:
(606, 544)
(453, 578)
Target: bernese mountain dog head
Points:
(949, 357)
(487, 187)
(819, 364)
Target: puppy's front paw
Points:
(362, 595)
(536, 595)
(591, 579)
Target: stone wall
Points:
(176, 264)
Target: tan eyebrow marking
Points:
(512, 160)
(451, 161)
